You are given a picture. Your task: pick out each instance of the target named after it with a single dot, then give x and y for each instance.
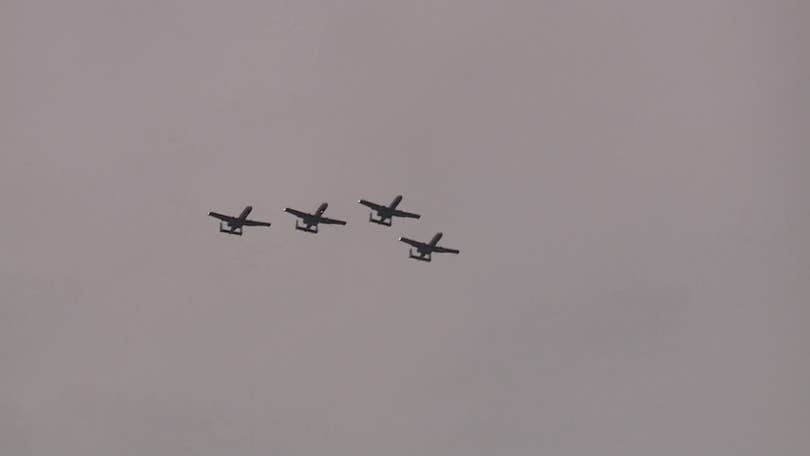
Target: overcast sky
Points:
(627, 182)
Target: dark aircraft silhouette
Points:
(233, 225)
(424, 250)
(311, 221)
(386, 214)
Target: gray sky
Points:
(627, 182)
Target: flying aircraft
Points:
(424, 250)
(233, 225)
(386, 214)
(311, 221)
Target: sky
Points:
(627, 182)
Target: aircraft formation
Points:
(309, 223)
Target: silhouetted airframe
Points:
(311, 221)
(385, 214)
(424, 250)
(233, 225)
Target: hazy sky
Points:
(627, 182)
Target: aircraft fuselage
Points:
(428, 248)
(395, 203)
(386, 212)
(240, 220)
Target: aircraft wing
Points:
(369, 204)
(438, 249)
(329, 221)
(255, 223)
(406, 214)
(297, 213)
(416, 244)
(224, 218)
